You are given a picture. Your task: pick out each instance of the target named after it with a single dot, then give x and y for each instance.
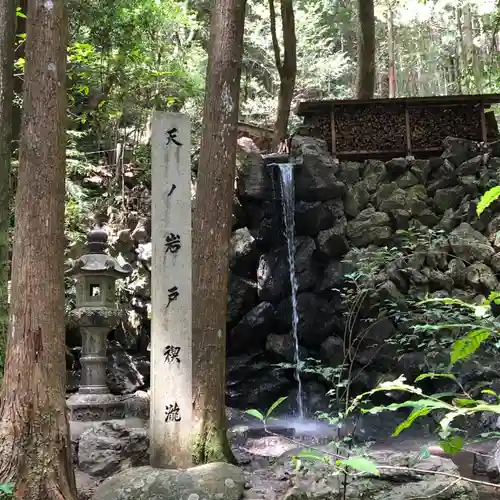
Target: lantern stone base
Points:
(98, 407)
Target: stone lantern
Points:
(95, 313)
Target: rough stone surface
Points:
(343, 211)
(215, 481)
(369, 227)
(469, 244)
(273, 274)
(122, 374)
(251, 332)
(109, 447)
(317, 482)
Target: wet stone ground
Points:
(266, 456)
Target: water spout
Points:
(288, 205)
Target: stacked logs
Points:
(385, 128)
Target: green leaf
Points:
(447, 301)
(468, 345)
(256, 414)
(7, 488)
(360, 463)
(490, 392)
(19, 13)
(275, 405)
(464, 402)
(452, 445)
(421, 412)
(487, 199)
(424, 376)
(310, 454)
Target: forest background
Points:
(128, 57)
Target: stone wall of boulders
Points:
(340, 207)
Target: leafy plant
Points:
(7, 490)
(361, 464)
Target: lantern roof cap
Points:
(96, 260)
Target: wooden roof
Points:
(320, 107)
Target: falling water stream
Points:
(288, 205)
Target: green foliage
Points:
(7, 490)
(361, 464)
(464, 347)
(487, 199)
(267, 417)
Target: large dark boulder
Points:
(273, 274)
(332, 243)
(334, 276)
(313, 217)
(253, 383)
(252, 177)
(251, 332)
(122, 374)
(316, 319)
(242, 297)
(315, 175)
(470, 245)
(375, 174)
(369, 227)
(459, 150)
(109, 447)
(243, 253)
(356, 199)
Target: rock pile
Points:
(341, 208)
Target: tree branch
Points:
(276, 45)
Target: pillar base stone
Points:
(98, 407)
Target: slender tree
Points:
(212, 230)
(287, 67)
(7, 34)
(35, 448)
(391, 52)
(366, 49)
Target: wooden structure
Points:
(261, 136)
(388, 128)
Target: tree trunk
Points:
(212, 231)
(7, 34)
(18, 80)
(287, 68)
(366, 50)
(35, 448)
(470, 50)
(392, 56)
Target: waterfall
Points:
(288, 205)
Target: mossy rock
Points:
(215, 481)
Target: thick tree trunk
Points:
(366, 50)
(7, 34)
(35, 449)
(287, 68)
(212, 230)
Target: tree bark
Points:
(392, 56)
(7, 36)
(35, 448)
(470, 51)
(366, 50)
(18, 80)
(212, 231)
(287, 68)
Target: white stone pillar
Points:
(171, 289)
